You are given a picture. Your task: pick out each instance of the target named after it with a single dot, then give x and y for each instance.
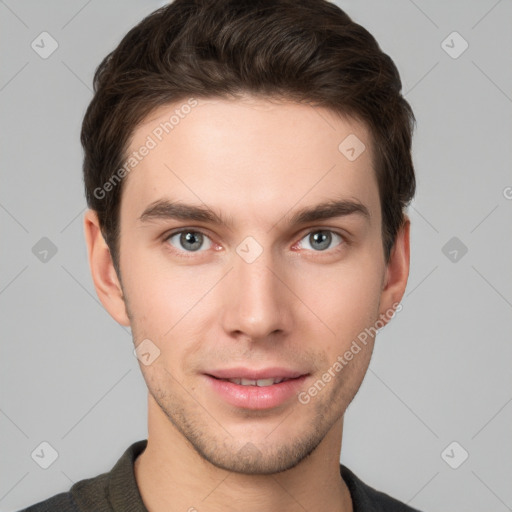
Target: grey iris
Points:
(322, 238)
(193, 239)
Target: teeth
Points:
(259, 382)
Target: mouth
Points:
(254, 390)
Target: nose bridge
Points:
(256, 302)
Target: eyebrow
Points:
(163, 209)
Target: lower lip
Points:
(256, 397)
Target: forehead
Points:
(248, 156)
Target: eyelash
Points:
(188, 254)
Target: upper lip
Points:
(254, 374)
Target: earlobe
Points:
(104, 276)
(397, 271)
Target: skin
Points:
(255, 162)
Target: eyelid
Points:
(313, 229)
(186, 229)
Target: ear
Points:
(106, 282)
(397, 273)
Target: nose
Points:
(257, 302)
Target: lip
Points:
(250, 373)
(256, 397)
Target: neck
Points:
(172, 476)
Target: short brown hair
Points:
(303, 50)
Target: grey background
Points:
(440, 371)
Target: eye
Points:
(321, 240)
(189, 240)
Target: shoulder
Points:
(63, 501)
(87, 494)
(116, 489)
(368, 499)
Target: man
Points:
(247, 167)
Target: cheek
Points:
(160, 295)
(345, 297)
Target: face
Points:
(233, 266)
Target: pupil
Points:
(191, 240)
(322, 238)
